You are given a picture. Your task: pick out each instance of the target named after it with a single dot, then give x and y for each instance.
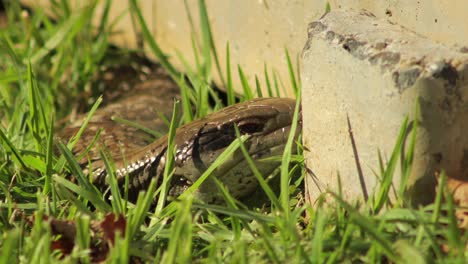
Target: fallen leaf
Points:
(102, 235)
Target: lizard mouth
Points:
(235, 173)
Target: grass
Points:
(40, 80)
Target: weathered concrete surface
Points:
(258, 31)
(374, 72)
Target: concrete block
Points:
(374, 72)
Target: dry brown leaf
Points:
(102, 234)
(459, 191)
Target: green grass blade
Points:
(36, 110)
(441, 184)
(276, 85)
(103, 23)
(72, 142)
(192, 25)
(408, 157)
(267, 81)
(143, 204)
(258, 88)
(49, 158)
(208, 38)
(86, 190)
(83, 239)
(186, 106)
(9, 147)
(67, 30)
(317, 241)
(369, 227)
(243, 214)
(75, 139)
(170, 152)
(382, 195)
(149, 131)
(117, 203)
(226, 154)
(180, 246)
(10, 242)
(206, 44)
(7, 45)
(453, 232)
(245, 85)
(284, 195)
(262, 182)
(230, 87)
(151, 42)
(292, 76)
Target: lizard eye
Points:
(250, 127)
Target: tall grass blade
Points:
(245, 85)
(117, 203)
(208, 38)
(387, 178)
(37, 118)
(170, 152)
(66, 30)
(369, 227)
(317, 241)
(185, 97)
(151, 42)
(258, 88)
(262, 182)
(267, 81)
(86, 190)
(407, 162)
(143, 204)
(284, 195)
(453, 233)
(292, 76)
(83, 239)
(230, 87)
(49, 159)
(225, 155)
(206, 43)
(9, 147)
(180, 246)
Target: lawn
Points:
(49, 70)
